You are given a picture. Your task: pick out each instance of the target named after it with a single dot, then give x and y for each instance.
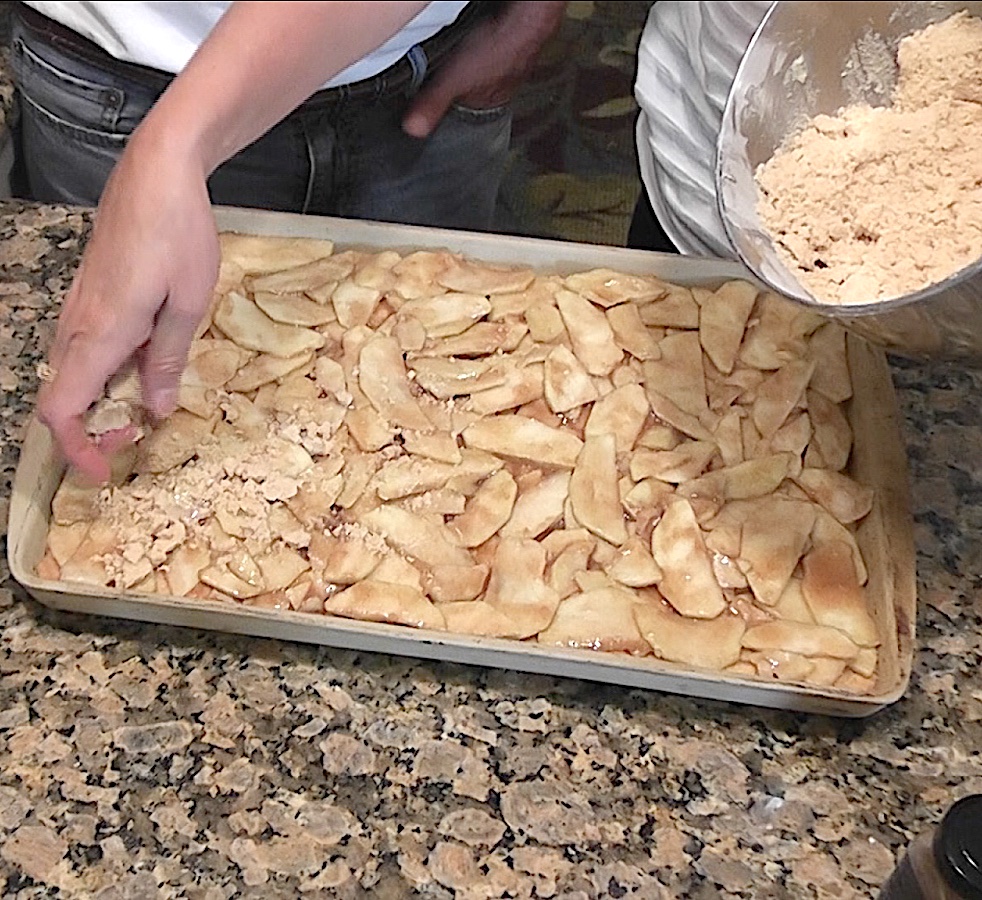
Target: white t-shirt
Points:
(164, 35)
(688, 56)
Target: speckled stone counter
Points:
(143, 762)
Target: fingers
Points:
(165, 356)
(83, 368)
(428, 107)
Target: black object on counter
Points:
(945, 863)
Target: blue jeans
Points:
(341, 153)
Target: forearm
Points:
(260, 62)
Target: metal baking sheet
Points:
(879, 460)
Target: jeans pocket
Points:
(68, 96)
(480, 115)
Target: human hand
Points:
(143, 285)
(489, 64)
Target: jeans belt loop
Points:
(418, 64)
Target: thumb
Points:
(165, 355)
(428, 107)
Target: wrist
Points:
(169, 136)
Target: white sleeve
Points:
(687, 59)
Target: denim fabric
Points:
(348, 157)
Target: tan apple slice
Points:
(601, 619)
(480, 618)
(847, 500)
(747, 480)
(659, 437)
(416, 273)
(834, 594)
(686, 462)
(136, 576)
(295, 392)
(621, 413)
(281, 566)
(298, 279)
(214, 364)
(418, 537)
(396, 569)
(473, 468)
(75, 500)
(539, 507)
(590, 333)
(723, 317)
(184, 567)
(729, 437)
(446, 315)
(832, 432)
(778, 334)
(679, 548)
(779, 394)
(631, 334)
(446, 377)
(792, 606)
(270, 253)
(679, 374)
(567, 565)
(222, 579)
(346, 556)
(174, 442)
(776, 531)
(559, 539)
(827, 347)
(518, 589)
(473, 277)
(671, 414)
(567, 383)
(701, 643)
(450, 584)
(482, 339)
(647, 496)
(522, 384)
(439, 501)
(854, 683)
(294, 309)
(802, 638)
(88, 563)
(246, 324)
(64, 540)
(593, 490)
(825, 671)
(438, 446)
(378, 601)
(792, 437)
(358, 471)
(865, 662)
(827, 529)
(781, 665)
(521, 438)
(607, 287)
(677, 309)
(383, 378)
(354, 304)
(487, 510)
(374, 270)
(265, 368)
(635, 566)
(368, 429)
(544, 322)
(408, 475)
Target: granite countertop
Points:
(140, 761)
